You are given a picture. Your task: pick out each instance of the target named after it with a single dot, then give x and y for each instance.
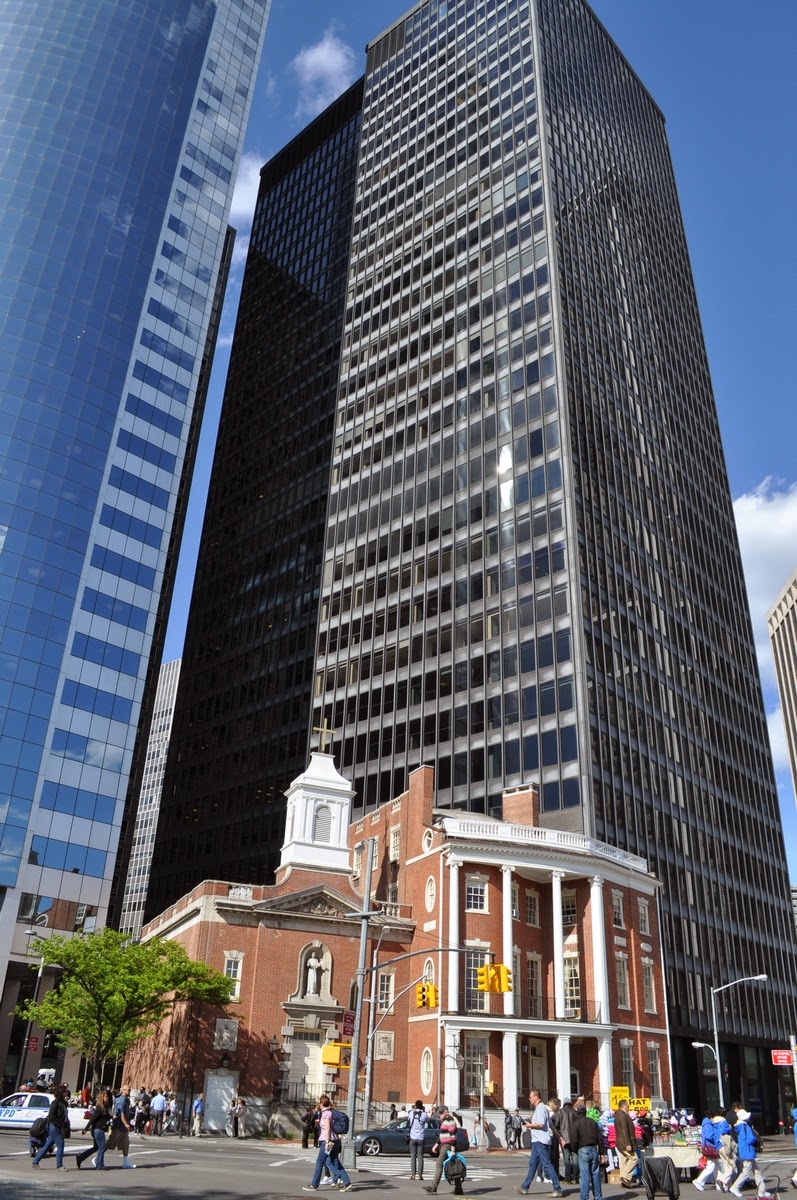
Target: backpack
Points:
(454, 1168)
(38, 1129)
(339, 1121)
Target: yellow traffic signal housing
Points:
(483, 980)
(420, 995)
(504, 978)
(431, 996)
(336, 1054)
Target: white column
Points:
(600, 974)
(453, 934)
(563, 1066)
(558, 947)
(605, 1070)
(451, 1085)
(506, 938)
(509, 1057)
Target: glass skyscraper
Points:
(121, 128)
(530, 570)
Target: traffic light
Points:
(425, 995)
(504, 978)
(483, 978)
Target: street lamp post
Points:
(371, 1016)
(348, 1144)
(29, 933)
(722, 988)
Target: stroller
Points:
(37, 1136)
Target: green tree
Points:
(112, 992)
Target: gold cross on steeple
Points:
(327, 734)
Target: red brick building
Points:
(573, 919)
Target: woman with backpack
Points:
(416, 1125)
(57, 1122)
(331, 1125)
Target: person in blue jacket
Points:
(747, 1147)
(793, 1179)
(711, 1131)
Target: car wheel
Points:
(371, 1146)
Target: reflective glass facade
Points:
(531, 570)
(121, 127)
(241, 731)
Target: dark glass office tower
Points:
(240, 732)
(121, 130)
(531, 569)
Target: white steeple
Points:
(317, 820)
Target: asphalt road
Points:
(220, 1168)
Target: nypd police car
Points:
(20, 1110)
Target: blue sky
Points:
(723, 73)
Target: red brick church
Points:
(573, 919)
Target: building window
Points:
(395, 845)
(357, 863)
(476, 894)
(532, 908)
(430, 894)
(385, 995)
(515, 902)
(618, 920)
(654, 1069)
(322, 824)
(648, 987)
(569, 908)
(644, 917)
(623, 994)
(392, 893)
(428, 970)
(572, 988)
(627, 1065)
(475, 1051)
(534, 988)
(475, 1001)
(232, 969)
(427, 1069)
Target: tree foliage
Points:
(111, 992)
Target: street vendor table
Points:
(684, 1157)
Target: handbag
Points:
(709, 1151)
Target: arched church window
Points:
(322, 824)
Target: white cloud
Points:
(766, 519)
(246, 187)
(323, 71)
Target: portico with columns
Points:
(553, 907)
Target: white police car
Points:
(20, 1110)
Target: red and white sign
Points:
(33, 1042)
(782, 1058)
(348, 1022)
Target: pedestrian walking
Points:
(240, 1117)
(232, 1117)
(57, 1121)
(562, 1122)
(625, 1141)
(198, 1114)
(121, 1124)
(446, 1138)
(328, 1151)
(417, 1123)
(539, 1126)
(793, 1180)
(585, 1143)
(747, 1145)
(711, 1130)
(509, 1130)
(97, 1124)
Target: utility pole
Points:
(348, 1155)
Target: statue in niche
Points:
(313, 968)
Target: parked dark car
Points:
(392, 1139)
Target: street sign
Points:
(782, 1058)
(487, 1062)
(348, 1022)
(33, 1042)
